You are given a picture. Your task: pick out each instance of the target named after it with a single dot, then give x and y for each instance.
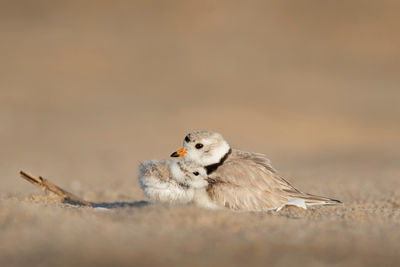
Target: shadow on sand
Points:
(115, 205)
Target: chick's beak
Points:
(180, 153)
(210, 180)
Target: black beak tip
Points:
(175, 155)
(211, 181)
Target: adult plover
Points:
(242, 180)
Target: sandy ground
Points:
(89, 89)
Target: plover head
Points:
(203, 147)
(195, 175)
(189, 174)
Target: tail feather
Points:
(313, 200)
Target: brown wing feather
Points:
(258, 158)
(247, 181)
(245, 185)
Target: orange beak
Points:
(180, 153)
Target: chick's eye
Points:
(196, 173)
(199, 145)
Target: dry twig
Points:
(46, 185)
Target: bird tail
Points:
(313, 200)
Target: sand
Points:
(89, 89)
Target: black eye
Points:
(199, 145)
(196, 173)
(187, 139)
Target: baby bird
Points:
(174, 182)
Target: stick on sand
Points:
(46, 185)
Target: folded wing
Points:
(247, 181)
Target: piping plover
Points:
(242, 180)
(172, 181)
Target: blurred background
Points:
(89, 89)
